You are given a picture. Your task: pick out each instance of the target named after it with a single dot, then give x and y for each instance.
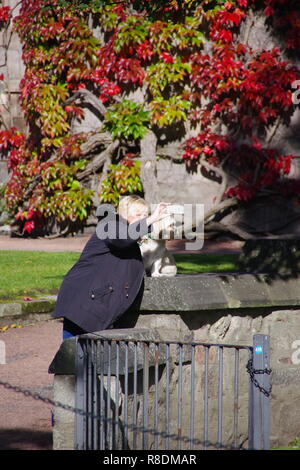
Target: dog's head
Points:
(164, 229)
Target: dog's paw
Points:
(157, 274)
(170, 273)
(169, 270)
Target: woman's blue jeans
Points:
(70, 329)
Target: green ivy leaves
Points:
(165, 112)
(132, 31)
(123, 178)
(163, 74)
(128, 120)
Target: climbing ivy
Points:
(186, 58)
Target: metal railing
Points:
(171, 395)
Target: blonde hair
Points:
(129, 205)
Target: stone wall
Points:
(12, 67)
(226, 310)
(283, 326)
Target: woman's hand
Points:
(160, 212)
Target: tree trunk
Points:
(148, 168)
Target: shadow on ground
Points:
(279, 259)
(25, 439)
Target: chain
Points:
(37, 396)
(154, 432)
(252, 372)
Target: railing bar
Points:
(179, 408)
(134, 421)
(167, 440)
(220, 393)
(85, 399)
(90, 397)
(126, 393)
(86, 395)
(98, 411)
(145, 394)
(236, 396)
(193, 343)
(206, 349)
(192, 407)
(117, 395)
(156, 360)
(94, 401)
(108, 409)
(102, 401)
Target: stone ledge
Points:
(195, 292)
(198, 292)
(20, 308)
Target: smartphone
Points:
(175, 209)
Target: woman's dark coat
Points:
(106, 279)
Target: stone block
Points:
(64, 421)
(14, 64)
(10, 310)
(22, 307)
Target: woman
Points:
(108, 278)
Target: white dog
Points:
(158, 261)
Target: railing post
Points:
(259, 394)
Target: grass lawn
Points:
(205, 263)
(294, 445)
(31, 273)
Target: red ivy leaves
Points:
(70, 149)
(108, 88)
(285, 16)
(76, 111)
(11, 138)
(4, 14)
(244, 88)
(266, 91)
(226, 22)
(11, 142)
(167, 58)
(265, 167)
(119, 68)
(207, 143)
(31, 219)
(257, 167)
(144, 51)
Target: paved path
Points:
(77, 244)
(25, 423)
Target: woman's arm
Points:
(120, 234)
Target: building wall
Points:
(12, 67)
